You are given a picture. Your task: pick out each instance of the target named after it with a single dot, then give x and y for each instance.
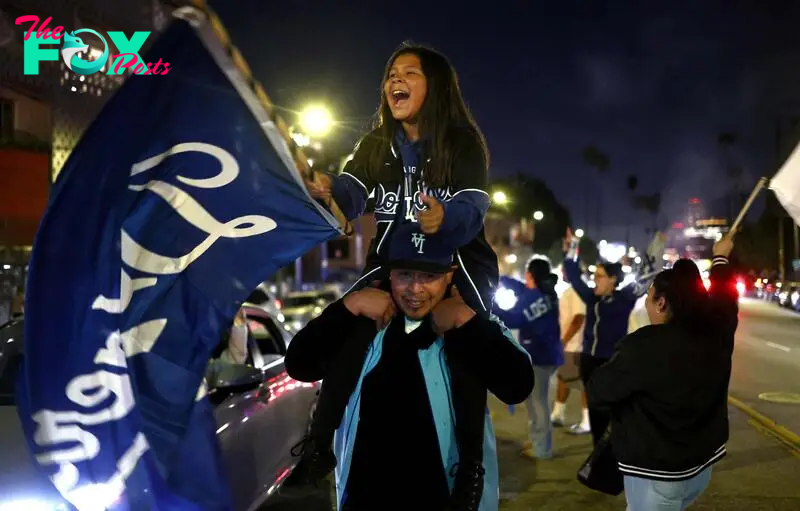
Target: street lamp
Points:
(500, 197)
(538, 215)
(579, 233)
(316, 121)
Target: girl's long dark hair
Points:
(545, 280)
(443, 110)
(682, 288)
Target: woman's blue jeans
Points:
(650, 495)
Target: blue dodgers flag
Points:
(179, 199)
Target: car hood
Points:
(298, 311)
(19, 479)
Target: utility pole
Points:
(627, 236)
(796, 271)
(781, 259)
(779, 157)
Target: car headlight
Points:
(32, 505)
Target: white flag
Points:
(657, 247)
(786, 185)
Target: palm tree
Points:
(594, 157)
(727, 138)
(651, 204)
(633, 183)
(727, 141)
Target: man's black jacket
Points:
(502, 368)
(394, 399)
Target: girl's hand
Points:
(320, 187)
(371, 303)
(430, 219)
(450, 313)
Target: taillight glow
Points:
(740, 287)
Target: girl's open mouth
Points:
(399, 96)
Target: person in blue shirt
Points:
(535, 314)
(607, 313)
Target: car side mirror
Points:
(231, 378)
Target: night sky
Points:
(651, 83)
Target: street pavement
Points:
(759, 473)
(766, 361)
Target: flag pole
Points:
(761, 184)
(300, 159)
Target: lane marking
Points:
(778, 346)
(771, 435)
(791, 438)
(781, 397)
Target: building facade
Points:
(43, 115)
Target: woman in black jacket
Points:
(667, 384)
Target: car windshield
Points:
(7, 378)
(10, 360)
(263, 331)
(258, 297)
(300, 301)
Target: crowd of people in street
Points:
(656, 396)
(410, 354)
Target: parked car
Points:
(789, 297)
(263, 298)
(300, 307)
(260, 412)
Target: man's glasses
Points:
(407, 277)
